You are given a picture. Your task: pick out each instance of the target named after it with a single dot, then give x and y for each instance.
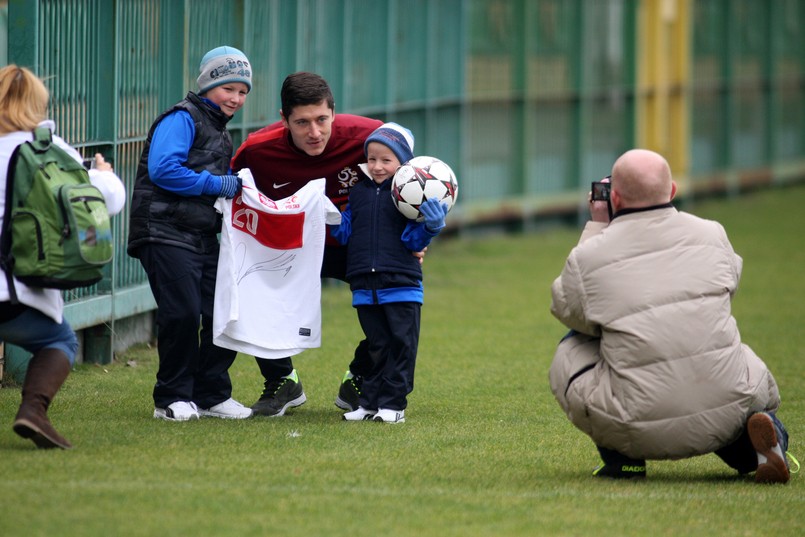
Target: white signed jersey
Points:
(268, 291)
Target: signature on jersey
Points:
(282, 264)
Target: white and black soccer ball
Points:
(419, 179)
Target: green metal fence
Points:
(528, 100)
(3, 34)
(747, 87)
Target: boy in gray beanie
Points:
(173, 231)
(222, 65)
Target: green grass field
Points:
(485, 450)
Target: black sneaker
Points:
(621, 471)
(348, 392)
(615, 465)
(280, 395)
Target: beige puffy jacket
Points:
(669, 377)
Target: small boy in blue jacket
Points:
(384, 275)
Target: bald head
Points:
(642, 178)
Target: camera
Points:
(601, 191)
(89, 163)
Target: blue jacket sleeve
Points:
(170, 146)
(342, 231)
(416, 236)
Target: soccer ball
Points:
(419, 179)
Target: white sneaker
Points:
(390, 416)
(229, 409)
(178, 411)
(360, 414)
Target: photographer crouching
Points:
(653, 366)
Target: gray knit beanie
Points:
(222, 65)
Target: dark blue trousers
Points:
(191, 367)
(392, 336)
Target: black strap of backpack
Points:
(6, 260)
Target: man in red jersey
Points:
(311, 141)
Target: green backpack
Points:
(56, 231)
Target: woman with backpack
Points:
(35, 323)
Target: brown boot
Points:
(47, 371)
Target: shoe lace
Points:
(272, 387)
(356, 383)
(794, 461)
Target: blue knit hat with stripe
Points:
(395, 137)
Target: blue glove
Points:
(230, 186)
(434, 213)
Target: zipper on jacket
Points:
(577, 374)
(374, 232)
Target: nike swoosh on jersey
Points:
(281, 184)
